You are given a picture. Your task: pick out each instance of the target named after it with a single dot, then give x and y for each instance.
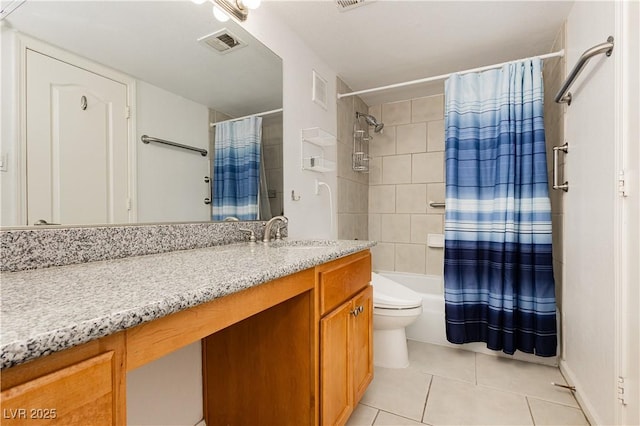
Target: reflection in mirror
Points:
(86, 80)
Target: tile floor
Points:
(448, 386)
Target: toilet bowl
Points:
(394, 307)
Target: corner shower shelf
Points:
(314, 142)
(319, 137)
(318, 164)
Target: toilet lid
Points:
(392, 295)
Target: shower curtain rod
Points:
(259, 114)
(444, 76)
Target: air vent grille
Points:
(344, 5)
(223, 41)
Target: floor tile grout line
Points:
(531, 396)
(533, 419)
(395, 414)
(376, 416)
(475, 367)
(426, 399)
(528, 397)
(548, 400)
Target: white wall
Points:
(170, 188)
(309, 217)
(167, 391)
(171, 183)
(590, 226)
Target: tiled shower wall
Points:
(353, 187)
(407, 172)
(273, 164)
(553, 74)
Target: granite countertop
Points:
(48, 310)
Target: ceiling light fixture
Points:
(234, 8)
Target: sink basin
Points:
(302, 244)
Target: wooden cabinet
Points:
(67, 391)
(296, 350)
(346, 336)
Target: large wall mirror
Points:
(83, 81)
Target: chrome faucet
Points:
(269, 225)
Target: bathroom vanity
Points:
(286, 331)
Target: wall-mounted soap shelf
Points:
(314, 144)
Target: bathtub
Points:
(430, 326)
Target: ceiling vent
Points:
(344, 5)
(223, 41)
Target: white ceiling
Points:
(155, 41)
(385, 42)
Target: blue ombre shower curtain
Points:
(236, 169)
(499, 286)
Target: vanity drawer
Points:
(342, 278)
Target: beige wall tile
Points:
(424, 224)
(344, 161)
(346, 226)
(383, 257)
(395, 228)
(395, 113)
(411, 198)
(427, 109)
(396, 169)
(435, 261)
(361, 226)
(345, 120)
(435, 136)
(410, 258)
(376, 111)
(411, 138)
(359, 106)
(375, 171)
(343, 195)
(382, 199)
(374, 226)
(427, 168)
(353, 226)
(352, 197)
(383, 143)
(435, 193)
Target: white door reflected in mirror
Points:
(77, 144)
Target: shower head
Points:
(371, 121)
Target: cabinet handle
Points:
(357, 310)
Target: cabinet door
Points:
(361, 342)
(80, 394)
(335, 383)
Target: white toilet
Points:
(394, 307)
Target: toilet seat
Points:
(388, 294)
